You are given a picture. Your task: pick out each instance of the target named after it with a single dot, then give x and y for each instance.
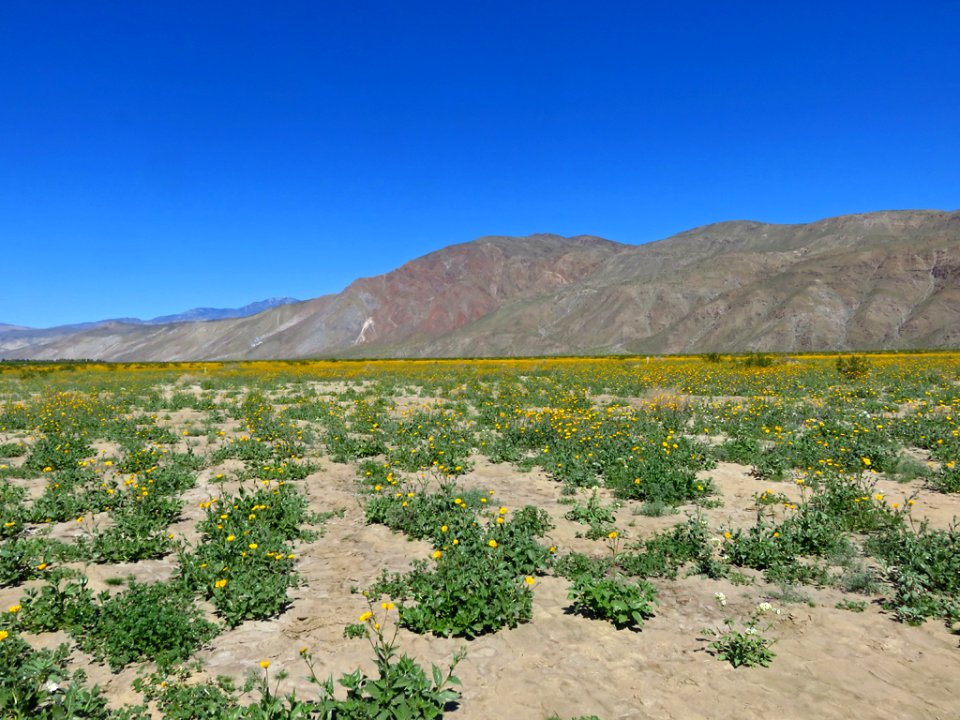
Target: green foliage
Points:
(857, 606)
(23, 558)
(741, 449)
(355, 630)
(632, 427)
(622, 602)
(400, 689)
(11, 450)
(655, 508)
(139, 531)
(245, 563)
(665, 553)
(483, 564)
(743, 648)
(63, 603)
(468, 592)
(421, 515)
(924, 569)
(947, 479)
(757, 360)
(209, 700)
(157, 622)
(575, 565)
(853, 367)
(595, 515)
(58, 452)
(36, 685)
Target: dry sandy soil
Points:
(829, 663)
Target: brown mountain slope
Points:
(420, 301)
(881, 280)
(877, 280)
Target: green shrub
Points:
(622, 602)
(37, 684)
(595, 515)
(924, 569)
(665, 553)
(853, 367)
(470, 591)
(9, 450)
(157, 622)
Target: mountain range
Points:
(884, 280)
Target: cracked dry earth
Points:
(829, 662)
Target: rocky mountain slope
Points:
(200, 314)
(204, 314)
(872, 281)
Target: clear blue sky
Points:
(157, 156)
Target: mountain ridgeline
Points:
(886, 280)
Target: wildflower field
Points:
(689, 537)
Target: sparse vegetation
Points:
(147, 516)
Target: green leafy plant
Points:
(158, 622)
(852, 605)
(37, 684)
(923, 566)
(594, 514)
(355, 630)
(853, 367)
(744, 646)
(469, 591)
(622, 602)
(63, 602)
(401, 690)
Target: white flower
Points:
(720, 598)
(764, 607)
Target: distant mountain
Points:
(873, 281)
(204, 314)
(201, 314)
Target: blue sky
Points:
(165, 155)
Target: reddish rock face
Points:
(446, 290)
(879, 280)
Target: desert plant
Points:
(853, 367)
(622, 602)
(744, 646)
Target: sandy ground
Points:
(830, 663)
